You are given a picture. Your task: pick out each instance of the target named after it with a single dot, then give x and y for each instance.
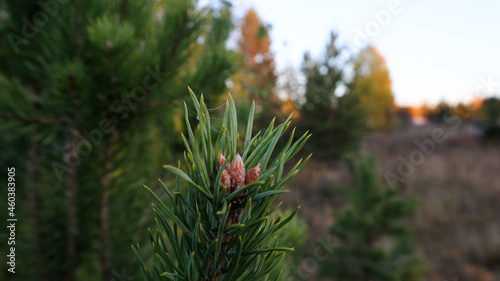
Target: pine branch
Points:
(225, 221)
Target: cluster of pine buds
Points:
(233, 176)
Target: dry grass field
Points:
(456, 177)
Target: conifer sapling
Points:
(221, 227)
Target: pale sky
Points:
(435, 50)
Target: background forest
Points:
(91, 108)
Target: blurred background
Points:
(402, 98)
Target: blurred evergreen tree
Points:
(330, 111)
(374, 242)
(88, 91)
(371, 82)
(439, 113)
(491, 112)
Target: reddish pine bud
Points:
(237, 173)
(225, 181)
(253, 174)
(220, 161)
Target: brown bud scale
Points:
(220, 161)
(225, 181)
(253, 174)
(237, 173)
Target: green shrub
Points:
(374, 243)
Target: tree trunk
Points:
(34, 201)
(107, 159)
(70, 181)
